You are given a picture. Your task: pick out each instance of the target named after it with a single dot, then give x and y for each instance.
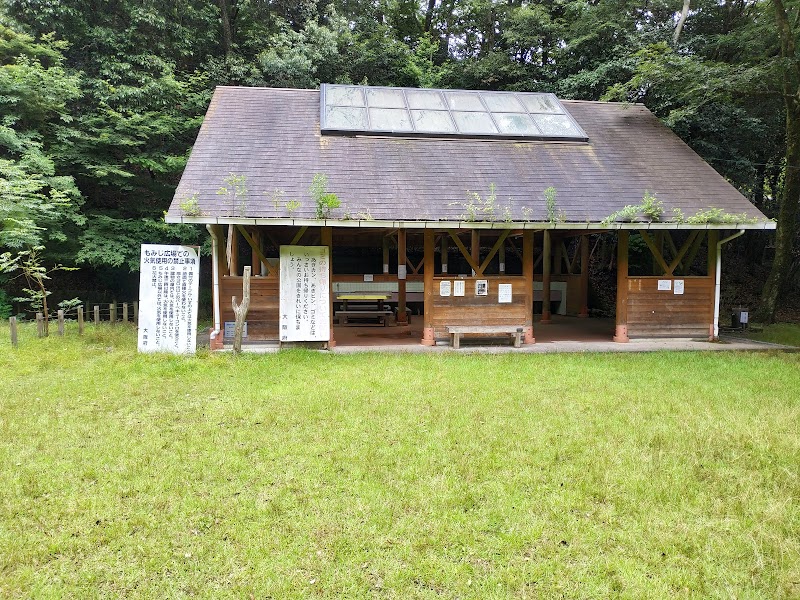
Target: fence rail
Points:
(113, 313)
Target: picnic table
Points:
(363, 305)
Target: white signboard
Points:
(229, 330)
(678, 286)
(305, 298)
(664, 285)
(368, 277)
(444, 288)
(458, 287)
(504, 293)
(168, 298)
(401, 271)
(481, 287)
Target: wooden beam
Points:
(429, 245)
(299, 235)
(514, 247)
(684, 249)
(493, 251)
(232, 251)
(475, 246)
(257, 251)
(547, 257)
(527, 274)
(656, 254)
(254, 259)
(402, 317)
(445, 248)
(464, 252)
(584, 252)
(621, 333)
(692, 254)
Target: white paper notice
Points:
(444, 288)
(504, 293)
(481, 287)
(368, 277)
(458, 287)
(679, 286)
(401, 271)
(305, 301)
(664, 284)
(168, 285)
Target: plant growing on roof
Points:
(478, 208)
(292, 206)
(651, 206)
(190, 206)
(324, 200)
(236, 189)
(651, 209)
(550, 203)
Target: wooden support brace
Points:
(493, 251)
(684, 249)
(271, 270)
(299, 235)
(656, 253)
(464, 252)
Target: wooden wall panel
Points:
(480, 310)
(264, 313)
(663, 313)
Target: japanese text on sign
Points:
(168, 287)
(305, 298)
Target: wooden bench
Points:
(380, 315)
(486, 330)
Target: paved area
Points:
(564, 334)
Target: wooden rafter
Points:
(464, 252)
(669, 269)
(299, 235)
(684, 249)
(492, 252)
(656, 252)
(254, 247)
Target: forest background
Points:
(100, 102)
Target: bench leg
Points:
(456, 341)
(517, 341)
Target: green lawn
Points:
(779, 333)
(305, 474)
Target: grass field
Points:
(396, 476)
(779, 333)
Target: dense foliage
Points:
(100, 101)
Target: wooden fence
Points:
(114, 313)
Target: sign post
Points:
(168, 287)
(305, 300)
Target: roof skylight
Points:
(427, 112)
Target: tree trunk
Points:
(790, 199)
(429, 15)
(681, 22)
(227, 35)
(240, 311)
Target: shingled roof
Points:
(272, 137)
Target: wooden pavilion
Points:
(471, 207)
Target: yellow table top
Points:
(363, 296)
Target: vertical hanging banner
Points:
(168, 286)
(305, 297)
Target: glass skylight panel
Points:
(422, 99)
(344, 96)
(515, 124)
(354, 109)
(386, 98)
(433, 121)
(502, 102)
(556, 125)
(474, 122)
(464, 101)
(541, 103)
(347, 117)
(390, 119)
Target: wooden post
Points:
(326, 239)
(429, 242)
(713, 238)
(112, 311)
(584, 312)
(475, 248)
(135, 312)
(233, 244)
(547, 261)
(124, 312)
(40, 324)
(445, 259)
(13, 323)
(240, 311)
(402, 317)
(527, 273)
(80, 320)
(385, 248)
(96, 315)
(61, 322)
(621, 333)
(501, 258)
(255, 261)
